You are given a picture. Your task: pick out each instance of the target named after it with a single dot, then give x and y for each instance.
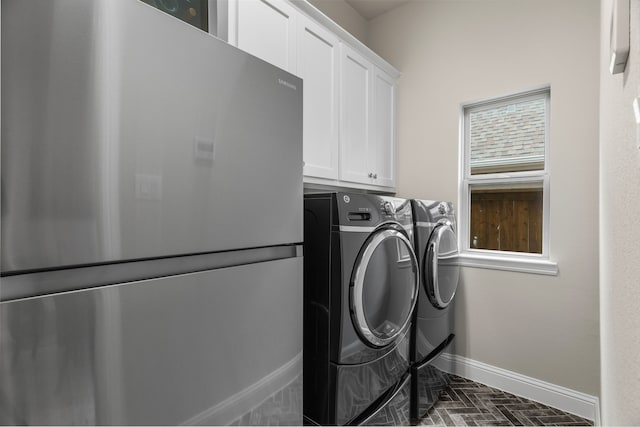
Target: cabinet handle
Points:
(375, 176)
(370, 174)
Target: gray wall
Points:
(620, 231)
(451, 52)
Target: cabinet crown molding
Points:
(314, 13)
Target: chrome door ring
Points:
(357, 287)
(433, 289)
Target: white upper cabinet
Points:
(266, 29)
(367, 122)
(383, 135)
(318, 57)
(355, 116)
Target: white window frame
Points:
(493, 259)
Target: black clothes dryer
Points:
(433, 328)
(361, 284)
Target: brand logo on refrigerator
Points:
(287, 84)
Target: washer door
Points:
(384, 287)
(441, 271)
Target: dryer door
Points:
(384, 287)
(441, 270)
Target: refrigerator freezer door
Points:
(128, 134)
(203, 348)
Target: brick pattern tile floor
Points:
(468, 403)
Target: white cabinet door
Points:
(355, 116)
(383, 135)
(318, 57)
(266, 29)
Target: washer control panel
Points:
(369, 210)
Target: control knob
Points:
(388, 208)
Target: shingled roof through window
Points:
(508, 135)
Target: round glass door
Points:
(440, 267)
(384, 287)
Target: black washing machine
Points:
(361, 282)
(433, 330)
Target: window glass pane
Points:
(507, 218)
(508, 138)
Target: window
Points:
(504, 200)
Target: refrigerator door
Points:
(204, 348)
(128, 134)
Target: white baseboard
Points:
(574, 402)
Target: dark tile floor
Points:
(468, 403)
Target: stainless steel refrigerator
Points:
(151, 200)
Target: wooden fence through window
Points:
(507, 220)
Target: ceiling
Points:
(370, 9)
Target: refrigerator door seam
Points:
(55, 281)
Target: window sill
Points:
(521, 264)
